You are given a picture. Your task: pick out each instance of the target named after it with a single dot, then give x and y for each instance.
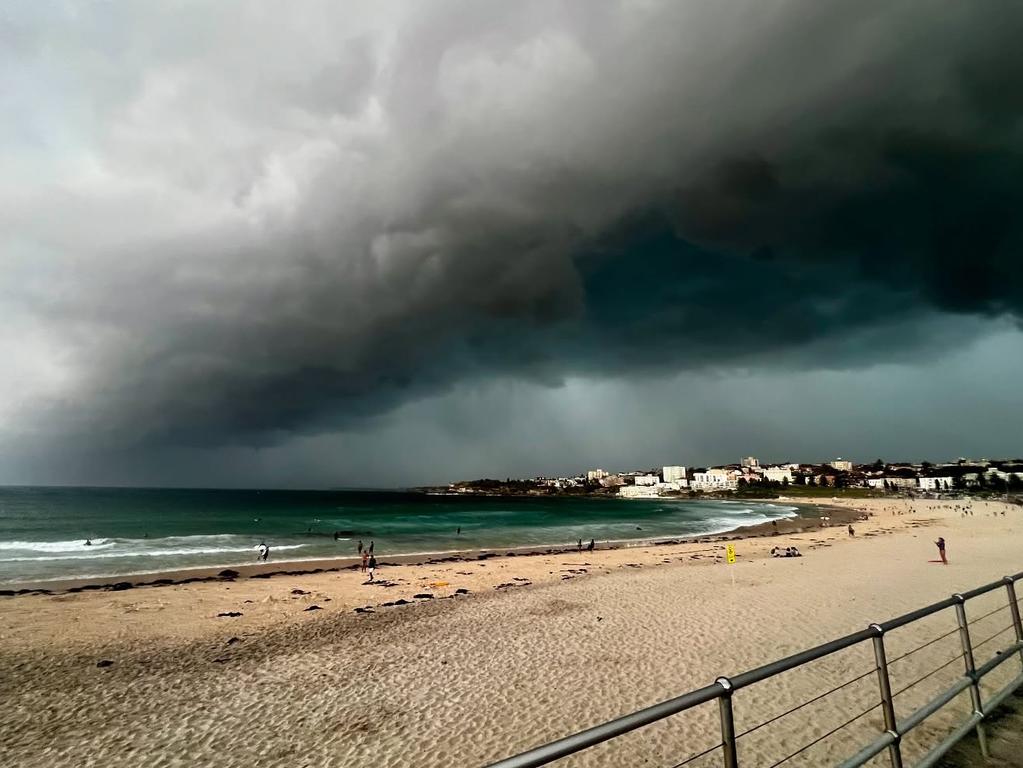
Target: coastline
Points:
(461, 663)
(797, 523)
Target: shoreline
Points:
(797, 523)
(483, 658)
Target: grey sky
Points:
(391, 243)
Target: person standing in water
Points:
(589, 547)
(371, 547)
(360, 546)
(263, 551)
(941, 549)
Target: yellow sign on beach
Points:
(730, 554)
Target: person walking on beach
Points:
(372, 567)
(851, 531)
(579, 545)
(589, 547)
(941, 549)
(365, 558)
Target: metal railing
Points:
(895, 729)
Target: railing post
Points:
(728, 750)
(887, 701)
(1010, 587)
(971, 671)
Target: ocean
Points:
(147, 530)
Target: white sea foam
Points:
(52, 546)
(103, 549)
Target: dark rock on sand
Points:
(367, 609)
(121, 586)
(461, 591)
(299, 592)
(314, 608)
(233, 640)
(229, 613)
(423, 596)
(104, 663)
(228, 573)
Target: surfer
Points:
(88, 543)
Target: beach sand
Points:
(539, 647)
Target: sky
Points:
(396, 243)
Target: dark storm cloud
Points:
(225, 228)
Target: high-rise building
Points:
(750, 462)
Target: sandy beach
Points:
(323, 669)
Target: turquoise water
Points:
(43, 530)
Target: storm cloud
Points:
(231, 225)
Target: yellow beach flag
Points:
(730, 554)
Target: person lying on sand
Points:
(787, 552)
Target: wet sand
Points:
(505, 653)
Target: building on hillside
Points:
(715, 480)
(778, 475)
(596, 475)
(901, 482)
(875, 482)
(750, 462)
(638, 492)
(674, 474)
(648, 491)
(935, 483)
(999, 474)
(647, 480)
(612, 481)
(842, 465)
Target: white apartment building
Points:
(750, 462)
(935, 483)
(901, 482)
(638, 492)
(842, 464)
(777, 474)
(674, 475)
(647, 479)
(596, 475)
(875, 482)
(714, 480)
